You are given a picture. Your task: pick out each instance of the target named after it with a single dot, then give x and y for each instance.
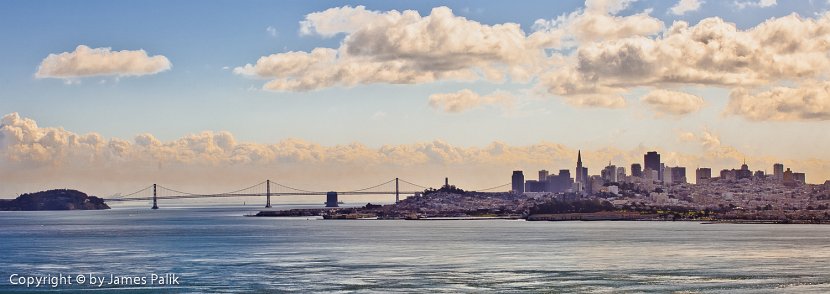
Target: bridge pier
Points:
(268, 194)
(155, 199)
(331, 199)
(397, 192)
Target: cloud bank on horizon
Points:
(33, 154)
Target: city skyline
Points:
(656, 172)
(354, 92)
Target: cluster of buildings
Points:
(652, 171)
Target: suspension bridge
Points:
(270, 188)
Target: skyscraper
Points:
(578, 171)
(678, 175)
(543, 175)
(518, 181)
(788, 177)
(702, 174)
(800, 178)
(744, 172)
(667, 175)
(778, 171)
(609, 174)
(652, 161)
(636, 170)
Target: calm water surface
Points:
(219, 250)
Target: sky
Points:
(109, 96)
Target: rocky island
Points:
(62, 199)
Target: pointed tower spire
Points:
(579, 156)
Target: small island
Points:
(61, 199)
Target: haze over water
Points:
(217, 249)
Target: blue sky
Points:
(205, 40)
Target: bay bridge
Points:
(270, 188)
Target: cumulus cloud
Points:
(810, 101)
(666, 102)
(346, 19)
(759, 3)
(401, 48)
(590, 57)
(596, 100)
(49, 157)
(86, 62)
(686, 137)
(467, 99)
(707, 139)
(711, 53)
(599, 21)
(684, 6)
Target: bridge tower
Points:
(331, 199)
(397, 192)
(155, 200)
(268, 194)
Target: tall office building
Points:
(620, 174)
(744, 172)
(667, 175)
(561, 182)
(578, 171)
(543, 175)
(778, 171)
(636, 170)
(702, 174)
(585, 176)
(609, 174)
(788, 177)
(518, 181)
(678, 175)
(652, 161)
(800, 178)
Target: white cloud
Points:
(673, 103)
(272, 31)
(590, 57)
(686, 137)
(684, 6)
(466, 99)
(49, 157)
(711, 53)
(86, 62)
(401, 48)
(810, 101)
(598, 21)
(346, 19)
(596, 100)
(759, 3)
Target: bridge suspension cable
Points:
(131, 194)
(292, 188)
(216, 194)
(370, 188)
(416, 185)
(493, 188)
